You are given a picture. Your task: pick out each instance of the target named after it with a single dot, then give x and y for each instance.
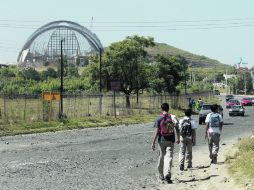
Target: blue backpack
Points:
(214, 120)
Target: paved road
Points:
(106, 158)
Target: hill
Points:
(195, 61)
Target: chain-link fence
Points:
(28, 108)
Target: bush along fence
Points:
(29, 108)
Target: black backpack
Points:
(186, 129)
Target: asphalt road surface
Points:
(110, 158)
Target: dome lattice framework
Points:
(44, 45)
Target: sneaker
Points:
(189, 166)
(181, 167)
(215, 160)
(161, 178)
(168, 179)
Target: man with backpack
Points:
(213, 130)
(165, 127)
(187, 139)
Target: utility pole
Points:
(245, 84)
(226, 77)
(214, 75)
(100, 69)
(185, 83)
(100, 52)
(61, 88)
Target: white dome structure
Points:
(44, 45)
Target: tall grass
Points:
(84, 112)
(21, 109)
(80, 123)
(241, 164)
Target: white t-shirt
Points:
(193, 124)
(213, 129)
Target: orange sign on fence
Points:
(49, 96)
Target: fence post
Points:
(5, 115)
(24, 116)
(177, 101)
(75, 106)
(100, 106)
(88, 106)
(149, 107)
(114, 103)
(0, 113)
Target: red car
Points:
(232, 102)
(246, 101)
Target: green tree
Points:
(244, 80)
(45, 63)
(249, 83)
(200, 86)
(219, 77)
(7, 72)
(125, 61)
(72, 71)
(169, 72)
(30, 73)
(232, 83)
(91, 75)
(49, 73)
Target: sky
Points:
(219, 29)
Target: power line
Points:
(167, 21)
(147, 27)
(195, 24)
(151, 27)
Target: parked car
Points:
(236, 110)
(205, 109)
(228, 97)
(246, 101)
(232, 102)
(252, 99)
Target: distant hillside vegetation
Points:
(194, 60)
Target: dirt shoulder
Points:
(203, 175)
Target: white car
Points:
(252, 98)
(236, 110)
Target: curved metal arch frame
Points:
(75, 38)
(91, 37)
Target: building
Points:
(229, 76)
(45, 45)
(252, 76)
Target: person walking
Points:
(197, 106)
(165, 126)
(200, 103)
(213, 131)
(187, 139)
(190, 103)
(193, 104)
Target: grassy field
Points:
(86, 122)
(19, 110)
(26, 118)
(241, 162)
